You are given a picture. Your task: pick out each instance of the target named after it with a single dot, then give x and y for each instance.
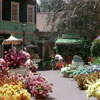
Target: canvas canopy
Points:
(68, 41)
(12, 40)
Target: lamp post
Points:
(24, 28)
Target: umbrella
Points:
(58, 57)
(12, 40)
(31, 46)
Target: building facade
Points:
(45, 37)
(17, 17)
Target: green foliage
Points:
(96, 61)
(95, 48)
(84, 50)
(45, 5)
(79, 16)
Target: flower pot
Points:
(66, 75)
(40, 97)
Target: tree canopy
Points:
(76, 16)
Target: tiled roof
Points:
(42, 22)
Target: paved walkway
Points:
(63, 88)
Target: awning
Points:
(68, 41)
(16, 27)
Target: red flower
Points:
(90, 59)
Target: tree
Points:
(45, 5)
(76, 16)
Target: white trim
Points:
(33, 13)
(1, 9)
(16, 3)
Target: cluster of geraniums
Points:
(15, 59)
(38, 86)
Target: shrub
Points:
(95, 48)
(84, 50)
(96, 61)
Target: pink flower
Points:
(44, 95)
(5, 52)
(41, 92)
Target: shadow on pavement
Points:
(48, 98)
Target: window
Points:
(0, 9)
(14, 11)
(30, 14)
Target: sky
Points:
(38, 1)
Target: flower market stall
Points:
(15, 86)
(12, 40)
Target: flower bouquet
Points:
(38, 86)
(16, 59)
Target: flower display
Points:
(3, 68)
(93, 89)
(14, 92)
(30, 65)
(80, 70)
(81, 81)
(90, 59)
(38, 86)
(66, 71)
(93, 68)
(15, 59)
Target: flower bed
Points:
(14, 86)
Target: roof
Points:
(16, 27)
(42, 22)
(68, 41)
(12, 40)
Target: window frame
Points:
(15, 3)
(33, 12)
(1, 10)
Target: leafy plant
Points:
(80, 78)
(95, 48)
(93, 89)
(96, 61)
(84, 50)
(80, 70)
(93, 68)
